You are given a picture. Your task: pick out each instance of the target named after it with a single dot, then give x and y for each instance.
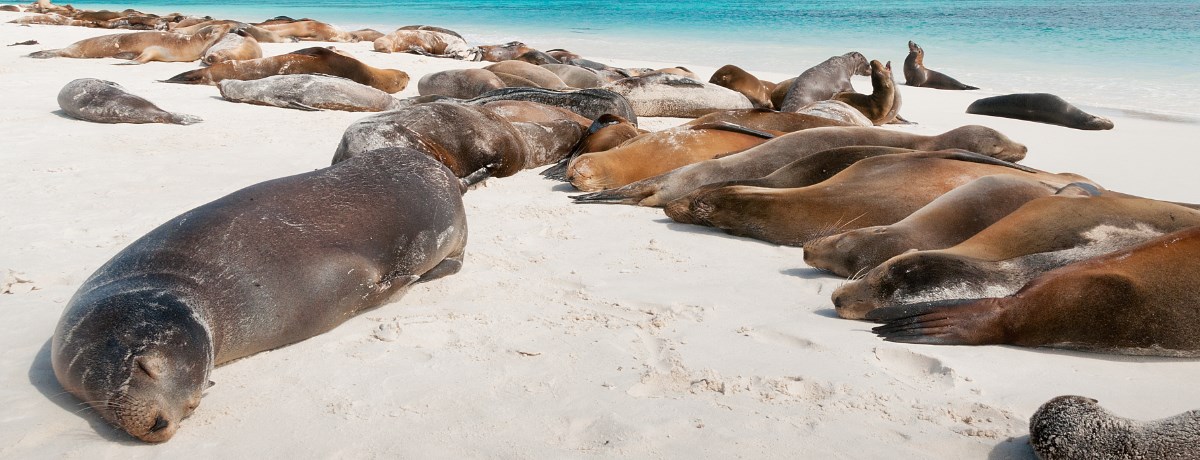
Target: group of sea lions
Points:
(945, 235)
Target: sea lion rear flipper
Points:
(47, 54)
(942, 322)
(727, 126)
(446, 267)
(185, 119)
(633, 193)
(972, 157)
(299, 106)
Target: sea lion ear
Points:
(210, 384)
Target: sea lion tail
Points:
(47, 54)
(942, 322)
(185, 119)
(969, 87)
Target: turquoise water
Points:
(1141, 56)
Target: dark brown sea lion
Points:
(140, 338)
(864, 194)
(589, 103)
(762, 160)
(766, 120)
(915, 73)
(734, 78)
(142, 47)
(1039, 107)
(670, 95)
(232, 47)
(541, 78)
(779, 92)
(944, 222)
(426, 42)
(310, 30)
(459, 83)
(1074, 427)
(876, 106)
(317, 60)
(824, 80)
(308, 92)
(101, 101)
(505, 52)
(1141, 300)
(1042, 235)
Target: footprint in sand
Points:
(914, 368)
(773, 337)
(16, 283)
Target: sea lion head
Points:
(853, 252)
(916, 276)
(860, 64)
(140, 359)
(983, 140)
(390, 80)
(913, 48)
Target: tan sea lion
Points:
(310, 30)
(779, 92)
(734, 78)
(49, 19)
(575, 76)
(822, 81)
(308, 92)
(766, 158)
(876, 106)
(1041, 108)
(459, 83)
(1142, 300)
(101, 101)
(260, 34)
(365, 35)
(1074, 427)
(1042, 235)
(766, 120)
(915, 73)
(139, 340)
(669, 95)
(426, 42)
(232, 47)
(142, 47)
(309, 60)
(607, 132)
(541, 78)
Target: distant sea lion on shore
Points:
(49, 19)
(915, 73)
(877, 106)
(316, 60)
(734, 78)
(459, 83)
(822, 81)
(310, 30)
(505, 52)
(308, 92)
(669, 95)
(427, 42)
(232, 47)
(142, 47)
(365, 35)
(575, 76)
(1075, 427)
(540, 77)
(260, 34)
(1039, 107)
(101, 101)
(537, 57)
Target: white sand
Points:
(572, 331)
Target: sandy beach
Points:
(572, 331)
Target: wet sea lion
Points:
(876, 106)
(142, 47)
(915, 73)
(141, 336)
(862, 195)
(1140, 300)
(734, 78)
(426, 42)
(575, 76)
(101, 101)
(1039, 107)
(541, 78)
(316, 60)
(232, 47)
(1073, 427)
(762, 160)
(310, 30)
(308, 92)
(1042, 235)
(822, 81)
(836, 110)
(944, 222)
(766, 120)
(669, 95)
(459, 83)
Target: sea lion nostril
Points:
(159, 423)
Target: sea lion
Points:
(836, 110)
(541, 78)
(606, 132)
(426, 42)
(260, 34)
(232, 47)
(1140, 301)
(141, 336)
(101, 101)
(670, 95)
(317, 60)
(589, 103)
(915, 73)
(365, 35)
(946, 221)
(536, 57)
(10, 8)
(734, 78)
(534, 112)
(310, 30)
(575, 76)
(1001, 258)
(48, 19)
(876, 106)
(1073, 427)
(142, 47)
(437, 29)
(308, 92)
(762, 160)
(459, 83)
(766, 120)
(862, 195)
(823, 80)
(1039, 107)
(505, 52)
(779, 92)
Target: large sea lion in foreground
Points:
(670, 95)
(1039, 107)
(1075, 427)
(762, 160)
(232, 47)
(1042, 235)
(266, 266)
(823, 80)
(142, 47)
(316, 60)
(308, 92)
(734, 78)
(915, 73)
(877, 106)
(101, 101)
(1142, 300)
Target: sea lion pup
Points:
(877, 105)
(310, 30)
(659, 152)
(669, 95)
(541, 78)
(308, 92)
(140, 338)
(101, 101)
(734, 78)
(823, 80)
(915, 73)
(142, 47)
(507, 51)
(862, 195)
(459, 83)
(1039, 107)
(317, 60)
(365, 35)
(232, 47)
(836, 110)
(766, 158)
(426, 42)
(575, 76)
(766, 120)
(260, 34)
(1074, 427)
(946, 221)
(607, 132)
(1001, 258)
(1139, 301)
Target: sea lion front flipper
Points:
(733, 128)
(299, 106)
(942, 322)
(47, 54)
(185, 119)
(972, 157)
(630, 194)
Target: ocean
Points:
(1141, 56)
